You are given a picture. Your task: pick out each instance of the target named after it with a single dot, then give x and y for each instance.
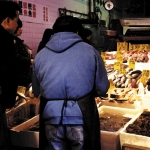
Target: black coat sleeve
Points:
(8, 79)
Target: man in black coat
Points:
(9, 13)
(23, 58)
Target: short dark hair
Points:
(87, 32)
(47, 34)
(8, 9)
(19, 25)
(67, 24)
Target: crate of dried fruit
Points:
(137, 132)
(112, 120)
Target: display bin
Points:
(132, 147)
(134, 139)
(20, 136)
(111, 140)
(21, 113)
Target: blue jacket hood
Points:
(76, 70)
(58, 42)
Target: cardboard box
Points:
(134, 139)
(21, 137)
(110, 140)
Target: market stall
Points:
(128, 72)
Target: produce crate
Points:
(20, 114)
(134, 139)
(22, 137)
(132, 147)
(110, 140)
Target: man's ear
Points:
(8, 19)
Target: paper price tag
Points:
(131, 64)
(118, 53)
(118, 46)
(136, 46)
(119, 58)
(146, 73)
(125, 46)
(143, 80)
(147, 46)
(131, 47)
(122, 71)
(122, 46)
(143, 46)
(117, 66)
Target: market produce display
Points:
(136, 55)
(120, 93)
(141, 126)
(112, 122)
(128, 80)
(110, 56)
(110, 68)
(127, 70)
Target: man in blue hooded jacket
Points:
(68, 73)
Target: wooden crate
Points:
(133, 147)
